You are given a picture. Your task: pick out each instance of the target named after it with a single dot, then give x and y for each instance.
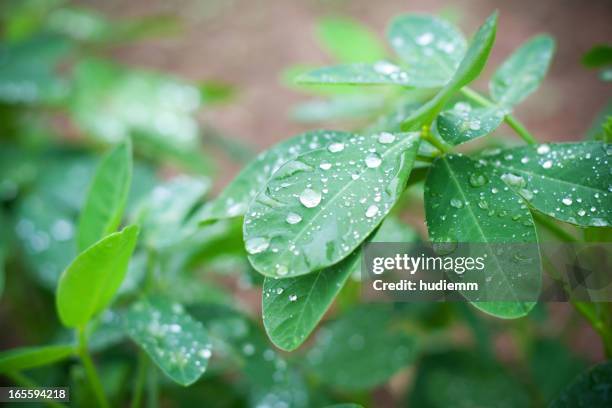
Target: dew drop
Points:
(371, 211)
(293, 218)
(547, 164)
(425, 38)
(477, 180)
(281, 270)
(336, 147)
(325, 166)
(292, 298)
(310, 198)
(543, 149)
(373, 160)
(456, 203)
(567, 201)
(386, 138)
(256, 245)
(513, 180)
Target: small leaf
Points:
(235, 198)
(379, 73)
(89, 283)
(522, 72)
(24, 358)
(348, 41)
(318, 208)
(598, 56)
(430, 47)
(568, 181)
(177, 343)
(463, 122)
(293, 307)
(590, 389)
(467, 201)
(107, 196)
(360, 349)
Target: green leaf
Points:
(339, 108)
(316, 209)
(467, 201)
(361, 349)
(431, 48)
(522, 72)
(464, 122)
(601, 127)
(590, 389)
(567, 181)
(292, 307)
(470, 67)
(106, 197)
(89, 283)
(177, 343)
(24, 358)
(379, 73)
(598, 56)
(236, 197)
(348, 41)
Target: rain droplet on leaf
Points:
(256, 245)
(310, 198)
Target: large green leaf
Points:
(30, 357)
(361, 349)
(177, 343)
(467, 201)
(89, 283)
(470, 67)
(338, 108)
(378, 73)
(348, 41)
(292, 307)
(430, 47)
(590, 389)
(568, 181)
(316, 209)
(107, 196)
(522, 72)
(235, 198)
(464, 122)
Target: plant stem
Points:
(152, 389)
(599, 318)
(90, 370)
(140, 380)
(23, 381)
(509, 119)
(426, 135)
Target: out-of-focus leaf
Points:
(107, 196)
(379, 73)
(348, 41)
(430, 47)
(236, 197)
(522, 72)
(338, 108)
(463, 122)
(466, 201)
(177, 343)
(568, 181)
(319, 207)
(598, 56)
(589, 389)
(19, 359)
(216, 92)
(112, 103)
(89, 283)
(601, 128)
(360, 349)
(293, 307)
(464, 379)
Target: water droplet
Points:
(279, 291)
(527, 195)
(543, 149)
(547, 164)
(205, 353)
(325, 166)
(386, 138)
(371, 211)
(293, 218)
(455, 202)
(567, 201)
(292, 298)
(425, 38)
(310, 198)
(281, 270)
(513, 180)
(373, 160)
(248, 349)
(256, 245)
(477, 180)
(581, 212)
(336, 147)
(599, 222)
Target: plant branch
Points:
(140, 380)
(509, 119)
(426, 135)
(90, 370)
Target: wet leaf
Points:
(106, 197)
(90, 282)
(464, 122)
(293, 307)
(177, 343)
(467, 201)
(521, 74)
(360, 349)
(567, 181)
(430, 47)
(338, 108)
(235, 198)
(590, 389)
(24, 358)
(316, 209)
(379, 73)
(348, 41)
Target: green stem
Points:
(23, 381)
(553, 228)
(90, 370)
(426, 135)
(141, 377)
(509, 119)
(599, 318)
(152, 389)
